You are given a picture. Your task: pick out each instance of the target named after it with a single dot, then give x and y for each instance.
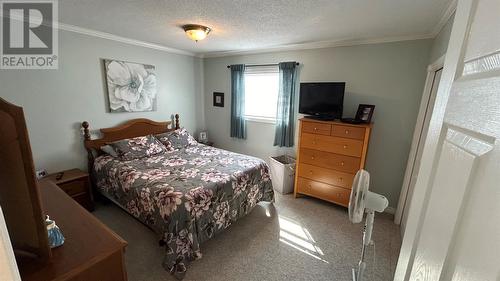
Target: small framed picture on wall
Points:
(365, 113)
(218, 99)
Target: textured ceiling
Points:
(240, 25)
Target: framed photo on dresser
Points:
(365, 113)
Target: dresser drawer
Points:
(74, 187)
(330, 160)
(329, 176)
(337, 145)
(348, 132)
(316, 128)
(324, 191)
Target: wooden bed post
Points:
(90, 158)
(177, 121)
(86, 132)
(90, 154)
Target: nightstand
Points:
(75, 183)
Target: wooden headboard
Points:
(130, 129)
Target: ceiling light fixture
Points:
(196, 32)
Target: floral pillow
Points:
(139, 147)
(177, 139)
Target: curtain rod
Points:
(269, 64)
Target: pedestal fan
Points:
(362, 199)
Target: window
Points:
(261, 93)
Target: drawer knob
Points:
(311, 172)
(342, 163)
(314, 142)
(341, 179)
(345, 146)
(346, 132)
(315, 128)
(312, 157)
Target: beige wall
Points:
(389, 75)
(56, 101)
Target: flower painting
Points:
(131, 86)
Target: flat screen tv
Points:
(322, 100)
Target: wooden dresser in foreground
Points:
(91, 251)
(329, 154)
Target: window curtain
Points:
(285, 117)
(238, 123)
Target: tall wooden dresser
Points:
(329, 154)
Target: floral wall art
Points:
(131, 86)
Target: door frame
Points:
(427, 97)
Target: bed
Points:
(186, 195)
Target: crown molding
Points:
(289, 47)
(113, 37)
(279, 48)
(452, 7)
(319, 45)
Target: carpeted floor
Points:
(294, 239)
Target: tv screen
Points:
(322, 99)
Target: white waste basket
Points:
(283, 173)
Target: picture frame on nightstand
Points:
(203, 137)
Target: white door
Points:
(453, 228)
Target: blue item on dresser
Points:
(56, 238)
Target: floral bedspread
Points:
(187, 195)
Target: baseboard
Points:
(390, 210)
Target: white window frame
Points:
(261, 69)
(260, 119)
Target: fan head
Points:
(362, 198)
(358, 191)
